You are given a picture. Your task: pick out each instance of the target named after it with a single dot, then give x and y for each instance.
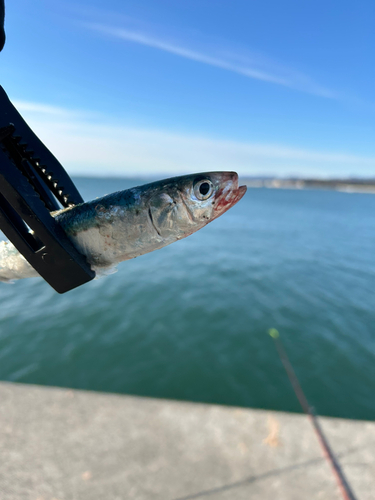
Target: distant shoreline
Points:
(343, 185)
(346, 186)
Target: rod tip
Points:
(274, 333)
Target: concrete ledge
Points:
(59, 444)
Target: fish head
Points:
(185, 204)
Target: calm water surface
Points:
(190, 321)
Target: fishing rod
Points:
(342, 482)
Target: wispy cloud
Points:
(260, 69)
(91, 148)
(43, 109)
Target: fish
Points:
(126, 224)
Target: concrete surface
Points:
(59, 444)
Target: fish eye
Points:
(203, 189)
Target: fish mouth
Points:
(229, 193)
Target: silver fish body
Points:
(130, 223)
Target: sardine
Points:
(130, 223)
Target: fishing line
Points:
(342, 482)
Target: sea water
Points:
(190, 321)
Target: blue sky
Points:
(169, 87)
